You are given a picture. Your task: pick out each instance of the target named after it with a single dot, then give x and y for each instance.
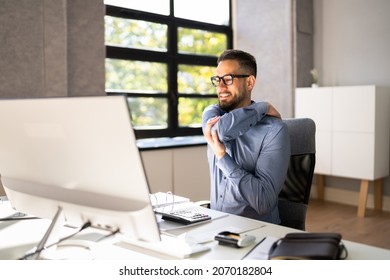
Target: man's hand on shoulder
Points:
(273, 112)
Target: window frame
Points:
(172, 58)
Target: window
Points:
(161, 55)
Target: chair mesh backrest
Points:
(302, 161)
(295, 194)
(299, 178)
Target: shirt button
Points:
(220, 196)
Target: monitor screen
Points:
(78, 154)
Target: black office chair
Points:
(295, 194)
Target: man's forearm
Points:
(237, 122)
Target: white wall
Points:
(264, 29)
(51, 48)
(352, 42)
(352, 47)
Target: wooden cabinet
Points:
(353, 133)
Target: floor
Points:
(374, 229)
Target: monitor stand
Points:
(50, 239)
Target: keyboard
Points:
(186, 216)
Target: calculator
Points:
(186, 216)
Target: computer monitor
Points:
(77, 154)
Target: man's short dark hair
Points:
(246, 60)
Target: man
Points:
(248, 144)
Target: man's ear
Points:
(251, 82)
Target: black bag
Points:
(309, 246)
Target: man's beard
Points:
(234, 103)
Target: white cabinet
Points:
(353, 131)
(191, 177)
(159, 169)
(183, 171)
(316, 103)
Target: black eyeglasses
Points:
(226, 79)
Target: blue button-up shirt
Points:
(247, 180)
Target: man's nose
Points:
(221, 85)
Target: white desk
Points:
(17, 237)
